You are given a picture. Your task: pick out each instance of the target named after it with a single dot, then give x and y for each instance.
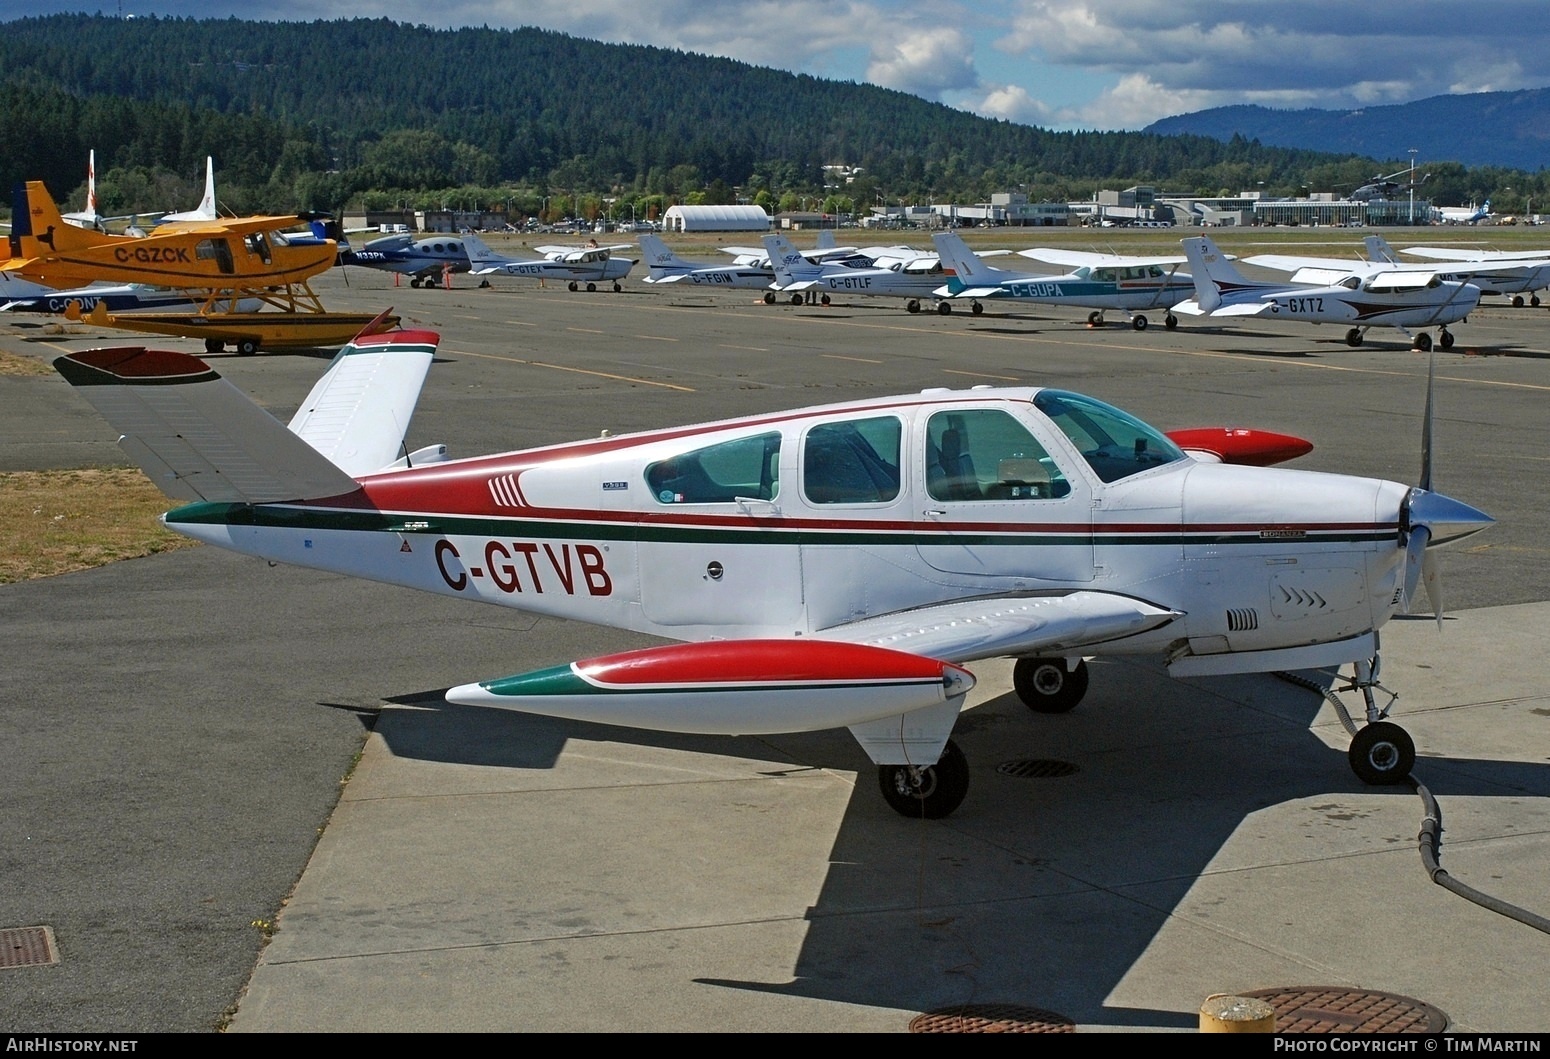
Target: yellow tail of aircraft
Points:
(38, 229)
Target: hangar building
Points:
(716, 219)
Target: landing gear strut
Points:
(1381, 753)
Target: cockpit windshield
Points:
(1115, 444)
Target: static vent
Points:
(1242, 619)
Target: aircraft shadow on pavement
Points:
(1043, 893)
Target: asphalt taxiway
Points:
(188, 814)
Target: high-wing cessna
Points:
(575, 266)
(667, 267)
(1327, 290)
(1512, 272)
(833, 566)
(911, 280)
(1100, 281)
(426, 260)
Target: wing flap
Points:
(1006, 625)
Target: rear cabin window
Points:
(855, 462)
(986, 454)
(744, 469)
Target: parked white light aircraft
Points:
(834, 566)
(573, 265)
(911, 280)
(89, 217)
(205, 211)
(824, 249)
(667, 267)
(1129, 284)
(1514, 272)
(1327, 290)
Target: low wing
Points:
(1011, 625)
(1082, 258)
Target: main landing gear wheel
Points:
(1534, 300)
(1170, 322)
(796, 299)
(573, 285)
(944, 308)
(1138, 322)
(246, 347)
(1382, 754)
(1353, 337)
(617, 287)
(1445, 339)
(591, 287)
(824, 300)
(913, 305)
(1422, 343)
(769, 297)
(1517, 301)
(1045, 685)
(976, 308)
(214, 346)
(1094, 319)
(926, 792)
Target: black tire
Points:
(215, 346)
(912, 306)
(1445, 340)
(1045, 686)
(574, 285)
(617, 287)
(1422, 343)
(1517, 301)
(591, 287)
(1382, 754)
(824, 299)
(944, 308)
(977, 308)
(1094, 319)
(796, 299)
(246, 347)
(1170, 322)
(414, 281)
(1138, 322)
(1534, 300)
(769, 297)
(928, 793)
(1353, 337)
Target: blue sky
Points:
(1060, 64)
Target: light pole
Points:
(1412, 185)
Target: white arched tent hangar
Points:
(716, 219)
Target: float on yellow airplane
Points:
(218, 263)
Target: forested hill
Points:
(300, 112)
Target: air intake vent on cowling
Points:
(1242, 619)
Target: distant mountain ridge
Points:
(1510, 129)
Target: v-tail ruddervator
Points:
(843, 565)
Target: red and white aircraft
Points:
(835, 566)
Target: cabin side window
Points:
(743, 469)
(217, 250)
(986, 454)
(855, 462)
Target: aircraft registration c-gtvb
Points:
(834, 566)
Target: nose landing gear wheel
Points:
(1353, 337)
(976, 308)
(931, 791)
(1422, 343)
(1170, 322)
(1382, 754)
(573, 285)
(1445, 339)
(1044, 685)
(912, 306)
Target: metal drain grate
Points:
(1331, 1009)
(27, 947)
(991, 1018)
(1037, 769)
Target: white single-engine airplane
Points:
(1514, 272)
(834, 566)
(1363, 294)
(667, 267)
(574, 265)
(911, 279)
(1100, 281)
